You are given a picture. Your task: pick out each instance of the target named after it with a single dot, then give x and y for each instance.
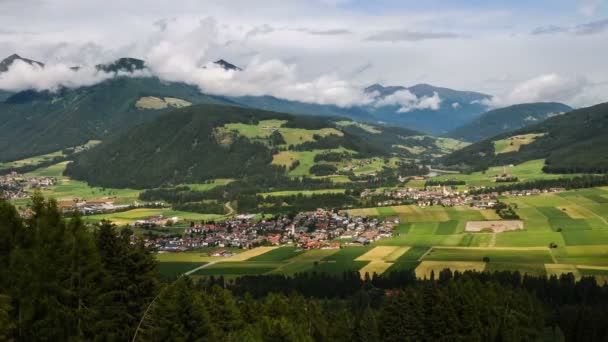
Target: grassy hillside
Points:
(507, 119)
(35, 123)
(204, 142)
(571, 143)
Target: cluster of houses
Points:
(430, 196)
(530, 192)
(15, 185)
(447, 196)
(156, 221)
(307, 230)
(90, 206)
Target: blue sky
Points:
(520, 51)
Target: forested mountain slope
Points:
(508, 119)
(35, 123)
(205, 142)
(573, 142)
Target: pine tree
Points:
(178, 314)
(129, 285)
(7, 325)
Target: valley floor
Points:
(563, 233)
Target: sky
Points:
(322, 51)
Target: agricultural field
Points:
(306, 159)
(264, 129)
(562, 233)
(528, 171)
(514, 143)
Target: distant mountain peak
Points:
(227, 65)
(125, 64)
(8, 61)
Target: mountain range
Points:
(455, 109)
(39, 122)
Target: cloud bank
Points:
(22, 76)
(409, 102)
(545, 88)
(180, 51)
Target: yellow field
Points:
(426, 267)
(381, 253)
(380, 259)
(249, 254)
(396, 254)
(372, 267)
(363, 212)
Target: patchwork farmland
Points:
(558, 233)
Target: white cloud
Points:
(544, 88)
(21, 76)
(175, 54)
(409, 102)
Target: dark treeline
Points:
(579, 182)
(335, 157)
(60, 281)
(465, 309)
(446, 182)
(323, 169)
(208, 207)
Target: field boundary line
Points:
(592, 267)
(553, 257)
(200, 268)
(425, 253)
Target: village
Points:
(308, 230)
(446, 196)
(17, 186)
